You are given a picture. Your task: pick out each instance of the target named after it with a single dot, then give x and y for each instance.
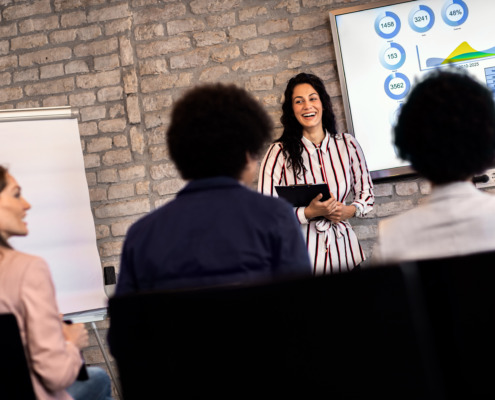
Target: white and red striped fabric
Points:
(339, 162)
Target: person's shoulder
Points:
(21, 258)
(269, 203)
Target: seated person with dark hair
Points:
(446, 130)
(216, 231)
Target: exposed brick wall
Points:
(123, 64)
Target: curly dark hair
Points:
(213, 127)
(446, 128)
(292, 133)
(3, 182)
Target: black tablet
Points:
(301, 195)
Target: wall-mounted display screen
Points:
(382, 48)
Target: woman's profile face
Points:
(13, 209)
(307, 106)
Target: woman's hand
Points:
(341, 212)
(77, 334)
(319, 208)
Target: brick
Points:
(257, 63)
(88, 129)
(383, 190)
(107, 175)
(160, 82)
(327, 72)
(91, 178)
(406, 188)
(157, 136)
(82, 99)
(285, 42)
(102, 231)
(29, 104)
(168, 187)
(159, 153)
(319, 3)
(310, 57)
(162, 201)
(185, 25)
(154, 119)
(96, 48)
(110, 94)
(92, 113)
(51, 71)
(106, 63)
(163, 171)
(114, 157)
(8, 30)
(118, 26)
(153, 67)
(28, 42)
(108, 13)
(148, 32)
(271, 100)
(119, 140)
(76, 67)
(223, 20)
(8, 62)
(364, 232)
(27, 75)
(124, 208)
(120, 191)
(152, 14)
(309, 21)
(98, 79)
(55, 86)
(112, 125)
(134, 172)
(39, 24)
(274, 26)
(255, 46)
(115, 111)
(47, 56)
(213, 6)
(262, 82)
(120, 228)
(5, 79)
(209, 38)
(143, 188)
(64, 36)
(97, 194)
(73, 19)
(223, 54)
(130, 81)
(157, 101)
(34, 8)
(4, 47)
(133, 111)
(137, 140)
(424, 187)
(126, 51)
(252, 13)
(243, 32)
(163, 47)
(99, 144)
(194, 59)
(213, 74)
(392, 208)
(316, 38)
(88, 33)
(107, 249)
(91, 160)
(292, 6)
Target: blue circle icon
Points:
(454, 12)
(397, 86)
(392, 56)
(421, 18)
(387, 25)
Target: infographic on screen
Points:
(385, 50)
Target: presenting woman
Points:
(26, 290)
(311, 151)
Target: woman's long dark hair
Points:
(3, 183)
(291, 136)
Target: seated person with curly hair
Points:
(446, 130)
(216, 231)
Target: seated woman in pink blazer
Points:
(53, 349)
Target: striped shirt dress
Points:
(339, 162)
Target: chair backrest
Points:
(14, 372)
(345, 336)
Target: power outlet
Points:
(490, 173)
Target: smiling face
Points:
(13, 209)
(307, 107)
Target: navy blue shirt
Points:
(215, 232)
